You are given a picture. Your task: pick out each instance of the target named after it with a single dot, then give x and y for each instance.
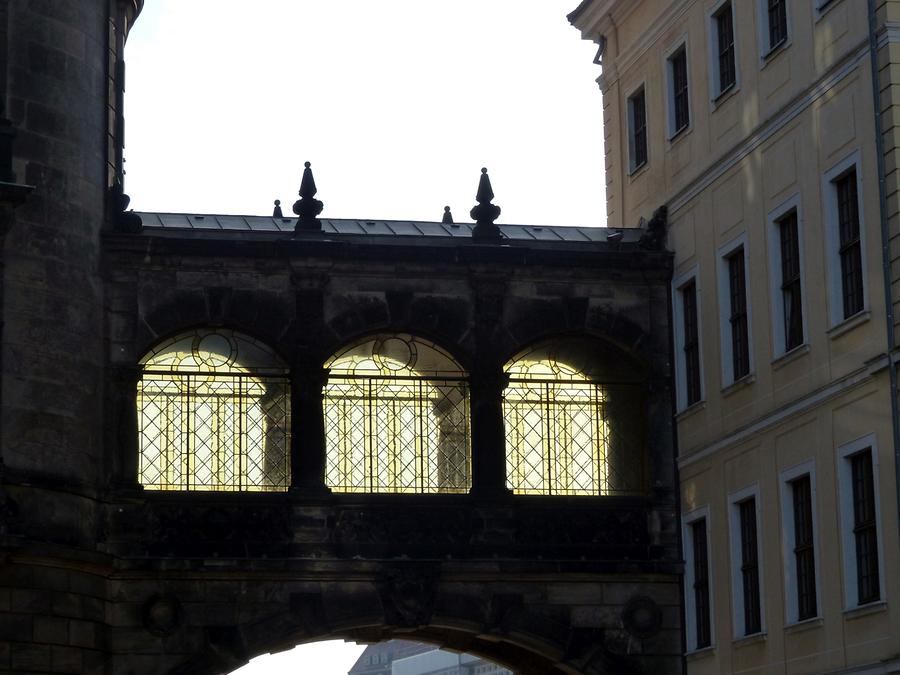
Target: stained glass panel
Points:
(213, 414)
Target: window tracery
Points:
(397, 419)
(213, 414)
(567, 430)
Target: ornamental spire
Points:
(485, 213)
(308, 207)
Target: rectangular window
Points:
(740, 343)
(850, 250)
(750, 566)
(776, 14)
(792, 305)
(724, 26)
(680, 105)
(864, 527)
(700, 584)
(804, 551)
(637, 124)
(691, 347)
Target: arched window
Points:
(396, 418)
(213, 414)
(569, 429)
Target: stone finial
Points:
(307, 207)
(448, 217)
(276, 212)
(485, 213)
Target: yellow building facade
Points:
(765, 129)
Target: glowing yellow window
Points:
(396, 419)
(213, 414)
(556, 430)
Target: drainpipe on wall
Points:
(885, 241)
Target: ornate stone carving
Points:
(161, 615)
(642, 617)
(407, 595)
(500, 608)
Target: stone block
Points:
(66, 659)
(663, 594)
(575, 594)
(31, 601)
(25, 657)
(83, 634)
(44, 60)
(52, 630)
(51, 578)
(15, 627)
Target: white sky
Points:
(397, 104)
(332, 657)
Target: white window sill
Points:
(703, 652)
(773, 53)
(678, 135)
(724, 96)
(790, 356)
(691, 410)
(753, 639)
(739, 384)
(805, 625)
(866, 610)
(824, 8)
(849, 324)
(638, 170)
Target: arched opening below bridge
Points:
(393, 657)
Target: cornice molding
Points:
(783, 413)
(768, 129)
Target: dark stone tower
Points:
(60, 96)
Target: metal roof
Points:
(376, 228)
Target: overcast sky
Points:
(397, 104)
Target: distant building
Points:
(398, 657)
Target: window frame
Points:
(767, 50)
(735, 500)
(673, 132)
(724, 255)
(776, 281)
(387, 473)
(846, 497)
(715, 80)
(681, 383)
(690, 606)
(791, 590)
(200, 415)
(633, 165)
(850, 163)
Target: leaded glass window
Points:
(397, 419)
(213, 414)
(562, 436)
